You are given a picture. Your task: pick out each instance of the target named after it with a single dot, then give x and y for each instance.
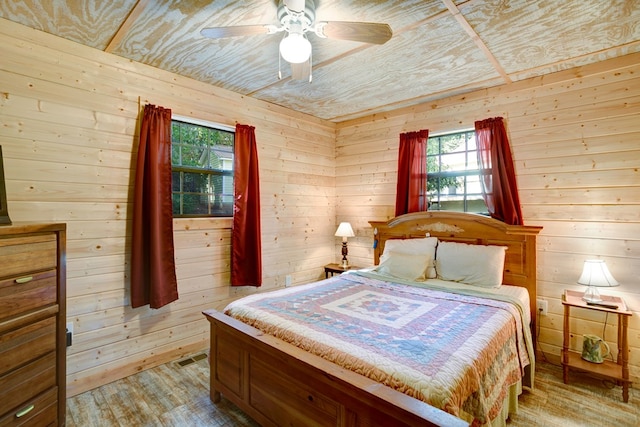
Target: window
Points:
(202, 170)
(453, 174)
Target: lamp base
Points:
(345, 252)
(591, 295)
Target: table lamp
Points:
(595, 274)
(344, 230)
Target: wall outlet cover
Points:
(543, 306)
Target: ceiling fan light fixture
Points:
(295, 48)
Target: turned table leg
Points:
(623, 324)
(565, 345)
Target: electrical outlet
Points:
(543, 306)
(69, 334)
(287, 280)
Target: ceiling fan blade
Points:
(366, 32)
(235, 31)
(301, 71)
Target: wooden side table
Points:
(337, 269)
(618, 371)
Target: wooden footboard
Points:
(278, 384)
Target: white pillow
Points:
(422, 246)
(425, 246)
(478, 265)
(405, 266)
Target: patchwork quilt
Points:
(453, 351)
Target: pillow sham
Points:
(404, 266)
(422, 246)
(479, 265)
(425, 247)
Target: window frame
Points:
(436, 198)
(196, 170)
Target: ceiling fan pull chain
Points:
(279, 67)
(310, 67)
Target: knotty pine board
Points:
(69, 137)
(70, 117)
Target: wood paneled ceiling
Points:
(439, 48)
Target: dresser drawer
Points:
(28, 343)
(25, 383)
(40, 411)
(24, 254)
(25, 293)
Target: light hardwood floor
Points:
(176, 395)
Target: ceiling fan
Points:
(297, 18)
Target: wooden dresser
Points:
(32, 324)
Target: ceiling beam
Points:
(137, 10)
(476, 38)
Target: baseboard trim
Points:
(113, 371)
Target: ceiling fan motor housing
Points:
(309, 13)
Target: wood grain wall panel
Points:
(69, 117)
(69, 122)
(574, 136)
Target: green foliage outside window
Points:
(444, 144)
(202, 164)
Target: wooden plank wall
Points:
(69, 116)
(575, 139)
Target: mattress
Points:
(458, 349)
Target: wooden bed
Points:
(520, 260)
(279, 384)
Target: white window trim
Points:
(205, 123)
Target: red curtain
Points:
(153, 271)
(498, 175)
(411, 190)
(246, 246)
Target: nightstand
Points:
(618, 371)
(337, 268)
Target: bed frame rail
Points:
(279, 384)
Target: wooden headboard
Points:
(520, 259)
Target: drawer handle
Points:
(24, 279)
(25, 411)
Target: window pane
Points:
(175, 132)
(202, 179)
(175, 181)
(473, 185)
(175, 155)
(195, 156)
(453, 162)
(194, 204)
(433, 164)
(176, 199)
(194, 182)
(452, 143)
(472, 160)
(222, 157)
(471, 141)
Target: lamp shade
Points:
(596, 273)
(344, 230)
(295, 48)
